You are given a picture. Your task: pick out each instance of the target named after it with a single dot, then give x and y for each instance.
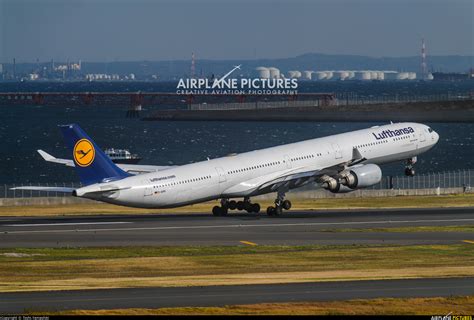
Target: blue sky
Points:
(106, 30)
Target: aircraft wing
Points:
(300, 176)
(134, 169)
(293, 177)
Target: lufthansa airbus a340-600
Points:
(338, 163)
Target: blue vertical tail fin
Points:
(91, 163)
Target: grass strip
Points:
(461, 200)
(456, 305)
(88, 268)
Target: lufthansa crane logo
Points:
(84, 153)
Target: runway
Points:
(292, 228)
(232, 295)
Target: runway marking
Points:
(271, 225)
(248, 243)
(468, 241)
(63, 224)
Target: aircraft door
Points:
(422, 137)
(287, 161)
(148, 191)
(337, 150)
(221, 174)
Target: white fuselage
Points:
(241, 175)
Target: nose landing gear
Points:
(409, 170)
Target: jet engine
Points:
(361, 177)
(333, 185)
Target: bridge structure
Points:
(134, 101)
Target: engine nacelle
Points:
(362, 177)
(334, 186)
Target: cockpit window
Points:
(430, 130)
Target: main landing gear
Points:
(409, 170)
(227, 205)
(280, 204)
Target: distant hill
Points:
(311, 61)
(167, 70)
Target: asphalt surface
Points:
(292, 228)
(231, 295)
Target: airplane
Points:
(339, 163)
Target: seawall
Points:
(439, 111)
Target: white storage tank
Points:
(342, 75)
(402, 76)
(319, 75)
(329, 75)
(374, 75)
(411, 75)
(351, 74)
(308, 74)
(363, 75)
(263, 73)
(390, 75)
(294, 74)
(274, 73)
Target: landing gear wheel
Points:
(232, 204)
(219, 211)
(247, 206)
(278, 210)
(240, 205)
(270, 211)
(286, 204)
(216, 211)
(255, 207)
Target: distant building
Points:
(450, 76)
(102, 77)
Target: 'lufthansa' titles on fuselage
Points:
(393, 133)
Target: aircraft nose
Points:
(435, 137)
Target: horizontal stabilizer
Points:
(133, 169)
(98, 189)
(46, 189)
(46, 156)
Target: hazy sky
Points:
(106, 30)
